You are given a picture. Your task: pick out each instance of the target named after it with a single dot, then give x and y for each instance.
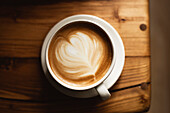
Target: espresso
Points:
(80, 54)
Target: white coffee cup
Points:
(99, 86)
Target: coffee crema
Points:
(80, 54)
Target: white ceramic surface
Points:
(113, 73)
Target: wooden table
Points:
(23, 27)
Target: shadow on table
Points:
(51, 100)
(34, 2)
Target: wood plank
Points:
(24, 78)
(136, 71)
(24, 27)
(27, 48)
(133, 99)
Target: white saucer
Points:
(110, 80)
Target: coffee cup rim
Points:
(80, 18)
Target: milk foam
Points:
(79, 55)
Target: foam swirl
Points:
(78, 56)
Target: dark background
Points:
(160, 55)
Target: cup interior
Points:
(65, 22)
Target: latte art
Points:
(80, 54)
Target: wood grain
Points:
(24, 27)
(24, 78)
(130, 100)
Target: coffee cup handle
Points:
(103, 92)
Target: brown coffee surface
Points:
(80, 54)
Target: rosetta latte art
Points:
(78, 56)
